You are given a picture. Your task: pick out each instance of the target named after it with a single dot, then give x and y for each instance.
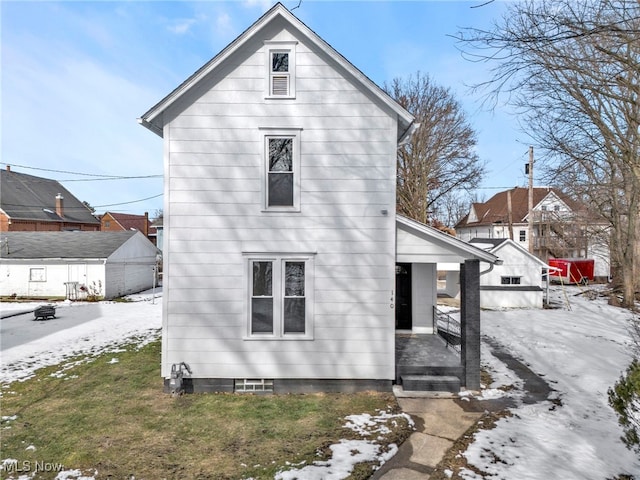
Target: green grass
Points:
(114, 418)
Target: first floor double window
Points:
(280, 288)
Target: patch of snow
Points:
(581, 353)
(74, 475)
(113, 360)
(345, 455)
(348, 453)
(116, 323)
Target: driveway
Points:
(20, 329)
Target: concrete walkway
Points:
(440, 421)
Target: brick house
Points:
(32, 204)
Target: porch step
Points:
(431, 383)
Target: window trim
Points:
(279, 261)
(42, 278)
(509, 280)
(279, 132)
(272, 47)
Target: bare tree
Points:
(451, 207)
(440, 160)
(572, 69)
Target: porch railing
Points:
(448, 328)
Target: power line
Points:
(106, 177)
(110, 178)
(68, 207)
(126, 203)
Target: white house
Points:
(518, 280)
(280, 246)
(74, 264)
(561, 226)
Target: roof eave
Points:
(454, 242)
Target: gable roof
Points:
(495, 210)
(130, 221)
(153, 118)
(26, 197)
(497, 244)
(60, 245)
(449, 243)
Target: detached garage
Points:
(75, 264)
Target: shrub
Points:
(624, 397)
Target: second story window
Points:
(280, 174)
(281, 69)
(281, 169)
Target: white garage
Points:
(76, 264)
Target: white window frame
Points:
(509, 280)
(40, 277)
(272, 47)
(277, 132)
(278, 294)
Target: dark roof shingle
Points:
(26, 197)
(42, 245)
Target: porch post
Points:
(470, 323)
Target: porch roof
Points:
(419, 243)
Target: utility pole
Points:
(530, 172)
(510, 214)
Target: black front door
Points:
(403, 296)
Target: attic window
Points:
(281, 69)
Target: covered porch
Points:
(423, 361)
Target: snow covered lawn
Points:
(581, 353)
(101, 326)
(97, 328)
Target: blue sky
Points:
(76, 75)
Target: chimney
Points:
(146, 224)
(8, 168)
(60, 205)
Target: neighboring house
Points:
(156, 230)
(34, 204)
(116, 222)
(562, 227)
(518, 280)
(280, 259)
(74, 264)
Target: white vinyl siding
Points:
(215, 200)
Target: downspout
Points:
(491, 265)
